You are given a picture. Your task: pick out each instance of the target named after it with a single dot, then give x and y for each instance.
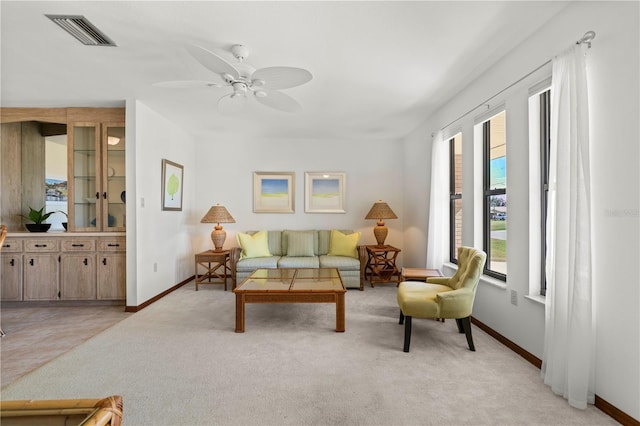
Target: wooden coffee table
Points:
(291, 285)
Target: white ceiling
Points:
(379, 68)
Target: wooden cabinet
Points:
(91, 144)
(96, 176)
(64, 267)
(78, 269)
(11, 270)
(40, 269)
(112, 269)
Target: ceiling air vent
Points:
(80, 27)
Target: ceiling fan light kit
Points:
(264, 83)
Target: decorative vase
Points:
(38, 227)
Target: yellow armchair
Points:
(443, 297)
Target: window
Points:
(455, 196)
(545, 145)
(495, 196)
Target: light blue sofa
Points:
(351, 268)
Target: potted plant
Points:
(38, 218)
(64, 224)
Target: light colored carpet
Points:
(37, 334)
(179, 362)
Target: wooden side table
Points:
(216, 265)
(381, 265)
(419, 274)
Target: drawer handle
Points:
(113, 245)
(12, 262)
(6, 245)
(97, 195)
(104, 261)
(77, 245)
(86, 262)
(31, 262)
(41, 245)
(104, 195)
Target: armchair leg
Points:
(459, 324)
(466, 324)
(407, 333)
(401, 317)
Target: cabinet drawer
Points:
(79, 244)
(11, 245)
(42, 245)
(112, 244)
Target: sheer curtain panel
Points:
(438, 228)
(569, 351)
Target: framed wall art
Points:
(172, 175)
(325, 192)
(273, 192)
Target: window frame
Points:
(453, 197)
(487, 194)
(545, 147)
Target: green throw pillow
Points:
(343, 245)
(255, 245)
(300, 243)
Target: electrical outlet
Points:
(141, 202)
(514, 297)
(155, 267)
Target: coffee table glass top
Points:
(291, 280)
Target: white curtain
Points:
(438, 228)
(569, 350)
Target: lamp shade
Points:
(218, 214)
(380, 210)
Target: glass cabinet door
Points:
(114, 174)
(84, 213)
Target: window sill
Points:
(537, 299)
(486, 279)
(493, 281)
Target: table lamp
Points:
(380, 210)
(218, 214)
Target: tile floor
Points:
(36, 335)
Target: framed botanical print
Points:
(172, 175)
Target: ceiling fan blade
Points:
(212, 61)
(230, 104)
(278, 100)
(186, 84)
(281, 77)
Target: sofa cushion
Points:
(255, 245)
(275, 243)
(324, 239)
(343, 245)
(252, 263)
(298, 262)
(300, 243)
(343, 263)
(296, 234)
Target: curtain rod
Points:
(587, 38)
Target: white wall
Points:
(157, 238)
(222, 172)
(613, 75)
(225, 175)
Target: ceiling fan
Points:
(245, 81)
